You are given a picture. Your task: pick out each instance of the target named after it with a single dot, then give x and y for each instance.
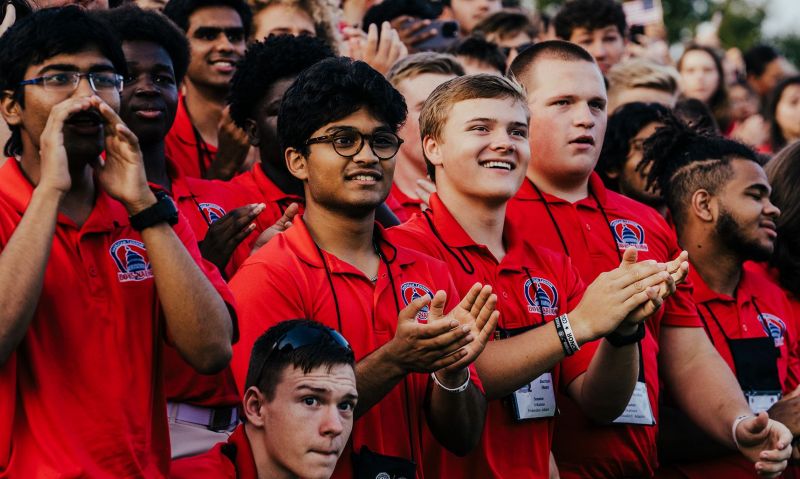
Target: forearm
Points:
(197, 318)
(22, 266)
(456, 419)
(701, 382)
(606, 387)
(376, 375)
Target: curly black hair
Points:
(758, 57)
(589, 14)
(266, 62)
(134, 24)
(179, 11)
(626, 122)
(479, 48)
(331, 90)
(45, 34)
(682, 160)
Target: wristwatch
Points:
(618, 340)
(163, 210)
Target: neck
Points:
(483, 222)
(568, 189)
(265, 466)
(155, 164)
(205, 106)
(282, 179)
(347, 238)
(406, 174)
(720, 268)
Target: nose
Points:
(598, 50)
(84, 88)
(331, 423)
(146, 86)
(501, 141)
(365, 155)
(583, 115)
(771, 210)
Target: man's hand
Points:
(765, 442)
(381, 53)
(232, 149)
(787, 412)
(122, 173)
(478, 310)
(614, 295)
(225, 234)
(283, 223)
(411, 31)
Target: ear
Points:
(10, 108)
(252, 404)
(296, 163)
(613, 174)
(432, 150)
(253, 136)
(703, 206)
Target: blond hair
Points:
(641, 73)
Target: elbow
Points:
(213, 359)
(604, 415)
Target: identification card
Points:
(536, 399)
(761, 400)
(638, 410)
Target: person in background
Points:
(695, 114)
(299, 403)
(14, 10)
(469, 13)
(598, 26)
(702, 78)
(747, 124)
(315, 18)
(415, 77)
(512, 31)
(784, 113)
(765, 68)
(204, 142)
(718, 197)
(640, 80)
(623, 148)
(478, 55)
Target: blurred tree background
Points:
(739, 22)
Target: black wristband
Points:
(163, 210)
(618, 340)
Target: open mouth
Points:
(224, 64)
(583, 140)
(498, 165)
(85, 118)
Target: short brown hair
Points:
(424, 62)
(507, 23)
(437, 107)
(549, 50)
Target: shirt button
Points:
(505, 295)
(588, 227)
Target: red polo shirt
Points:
(201, 202)
(286, 279)
(582, 448)
(402, 205)
(226, 460)
(192, 155)
(508, 448)
(758, 303)
(90, 399)
(255, 186)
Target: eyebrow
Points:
(762, 188)
(157, 66)
(337, 128)
(319, 390)
(68, 67)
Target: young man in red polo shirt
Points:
(337, 123)
(718, 195)
(415, 77)
(475, 135)
(563, 205)
(94, 267)
(202, 408)
(299, 400)
(204, 142)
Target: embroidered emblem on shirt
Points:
(131, 259)
(776, 327)
(212, 212)
(542, 296)
(629, 233)
(412, 291)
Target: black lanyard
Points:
(759, 316)
(203, 151)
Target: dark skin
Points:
(148, 105)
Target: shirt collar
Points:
(182, 125)
(243, 459)
(745, 290)
(269, 190)
(528, 193)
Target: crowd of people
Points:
(400, 239)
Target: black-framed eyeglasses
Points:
(348, 143)
(67, 82)
(519, 48)
(300, 336)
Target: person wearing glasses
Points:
(96, 271)
(299, 402)
(398, 308)
(204, 141)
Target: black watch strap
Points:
(618, 340)
(163, 211)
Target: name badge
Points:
(761, 400)
(536, 399)
(638, 410)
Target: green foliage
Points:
(789, 45)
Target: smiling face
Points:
(302, 431)
(150, 96)
(353, 186)
(216, 39)
(745, 221)
(483, 149)
(567, 100)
